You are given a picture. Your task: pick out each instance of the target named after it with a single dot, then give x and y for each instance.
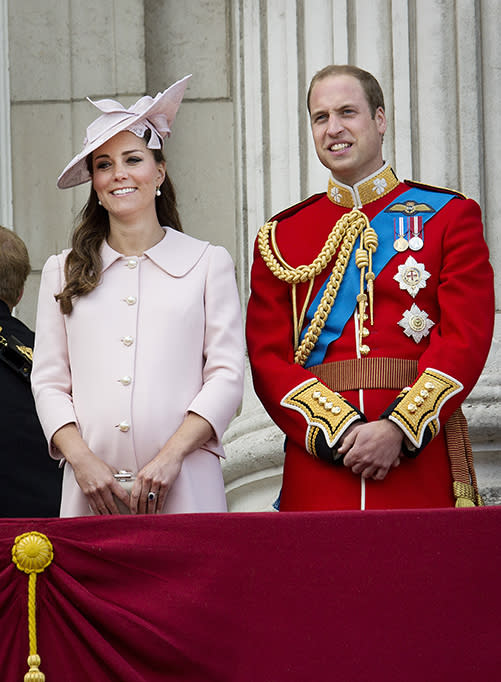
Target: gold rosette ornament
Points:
(32, 553)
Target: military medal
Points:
(411, 276)
(416, 323)
(416, 230)
(400, 243)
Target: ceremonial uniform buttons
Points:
(127, 340)
(131, 300)
(131, 263)
(125, 381)
(124, 426)
(364, 349)
(418, 400)
(325, 403)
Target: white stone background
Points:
(241, 147)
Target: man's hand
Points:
(372, 449)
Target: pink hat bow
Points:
(148, 113)
(117, 114)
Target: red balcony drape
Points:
(271, 597)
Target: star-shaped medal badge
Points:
(411, 276)
(416, 323)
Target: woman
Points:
(138, 362)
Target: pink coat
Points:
(159, 336)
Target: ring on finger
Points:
(152, 496)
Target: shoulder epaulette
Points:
(436, 188)
(297, 207)
(17, 356)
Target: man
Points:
(362, 328)
(31, 481)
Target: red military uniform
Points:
(432, 320)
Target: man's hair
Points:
(371, 87)
(14, 266)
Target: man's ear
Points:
(380, 118)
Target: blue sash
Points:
(345, 302)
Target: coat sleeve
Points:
(223, 370)
(306, 410)
(459, 343)
(51, 375)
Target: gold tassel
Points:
(32, 553)
(371, 244)
(464, 493)
(464, 502)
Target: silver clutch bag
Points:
(126, 480)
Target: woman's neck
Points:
(134, 239)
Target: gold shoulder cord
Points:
(343, 236)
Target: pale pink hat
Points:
(155, 114)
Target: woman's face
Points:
(125, 175)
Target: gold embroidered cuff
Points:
(416, 409)
(323, 409)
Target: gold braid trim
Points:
(465, 486)
(322, 409)
(343, 236)
(303, 273)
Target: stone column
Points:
(437, 64)
(5, 151)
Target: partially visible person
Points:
(138, 364)
(31, 482)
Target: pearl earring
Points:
(158, 192)
(99, 202)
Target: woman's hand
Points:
(154, 481)
(94, 477)
(98, 484)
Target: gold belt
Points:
(350, 375)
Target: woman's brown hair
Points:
(82, 269)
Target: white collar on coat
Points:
(177, 253)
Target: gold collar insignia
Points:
(364, 192)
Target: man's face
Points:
(348, 141)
